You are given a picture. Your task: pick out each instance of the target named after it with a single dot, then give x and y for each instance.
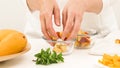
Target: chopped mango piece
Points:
(117, 41)
(110, 61)
(59, 47)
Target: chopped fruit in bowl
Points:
(61, 46)
(83, 40)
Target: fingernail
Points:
(63, 38)
(58, 24)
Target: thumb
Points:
(56, 13)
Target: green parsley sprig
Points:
(46, 57)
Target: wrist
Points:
(32, 5)
(94, 6)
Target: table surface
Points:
(79, 58)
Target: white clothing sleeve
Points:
(108, 21)
(26, 6)
(109, 27)
(108, 3)
(32, 28)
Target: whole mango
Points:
(11, 42)
(4, 33)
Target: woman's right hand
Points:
(47, 8)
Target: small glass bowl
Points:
(60, 46)
(83, 41)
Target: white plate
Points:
(8, 57)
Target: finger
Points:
(56, 13)
(76, 28)
(43, 27)
(68, 26)
(51, 43)
(50, 30)
(64, 18)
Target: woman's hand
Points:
(73, 13)
(47, 8)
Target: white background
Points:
(12, 14)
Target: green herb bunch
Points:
(46, 57)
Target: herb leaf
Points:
(46, 57)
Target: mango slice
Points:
(110, 61)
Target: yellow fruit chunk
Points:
(110, 61)
(53, 38)
(117, 41)
(60, 35)
(82, 32)
(57, 50)
(12, 42)
(60, 47)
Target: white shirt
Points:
(100, 23)
(103, 23)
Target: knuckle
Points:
(69, 21)
(63, 13)
(43, 31)
(48, 28)
(58, 10)
(69, 25)
(78, 14)
(76, 30)
(47, 14)
(71, 12)
(41, 16)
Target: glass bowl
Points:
(60, 46)
(83, 41)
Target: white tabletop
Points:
(79, 58)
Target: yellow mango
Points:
(5, 32)
(12, 42)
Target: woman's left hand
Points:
(72, 16)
